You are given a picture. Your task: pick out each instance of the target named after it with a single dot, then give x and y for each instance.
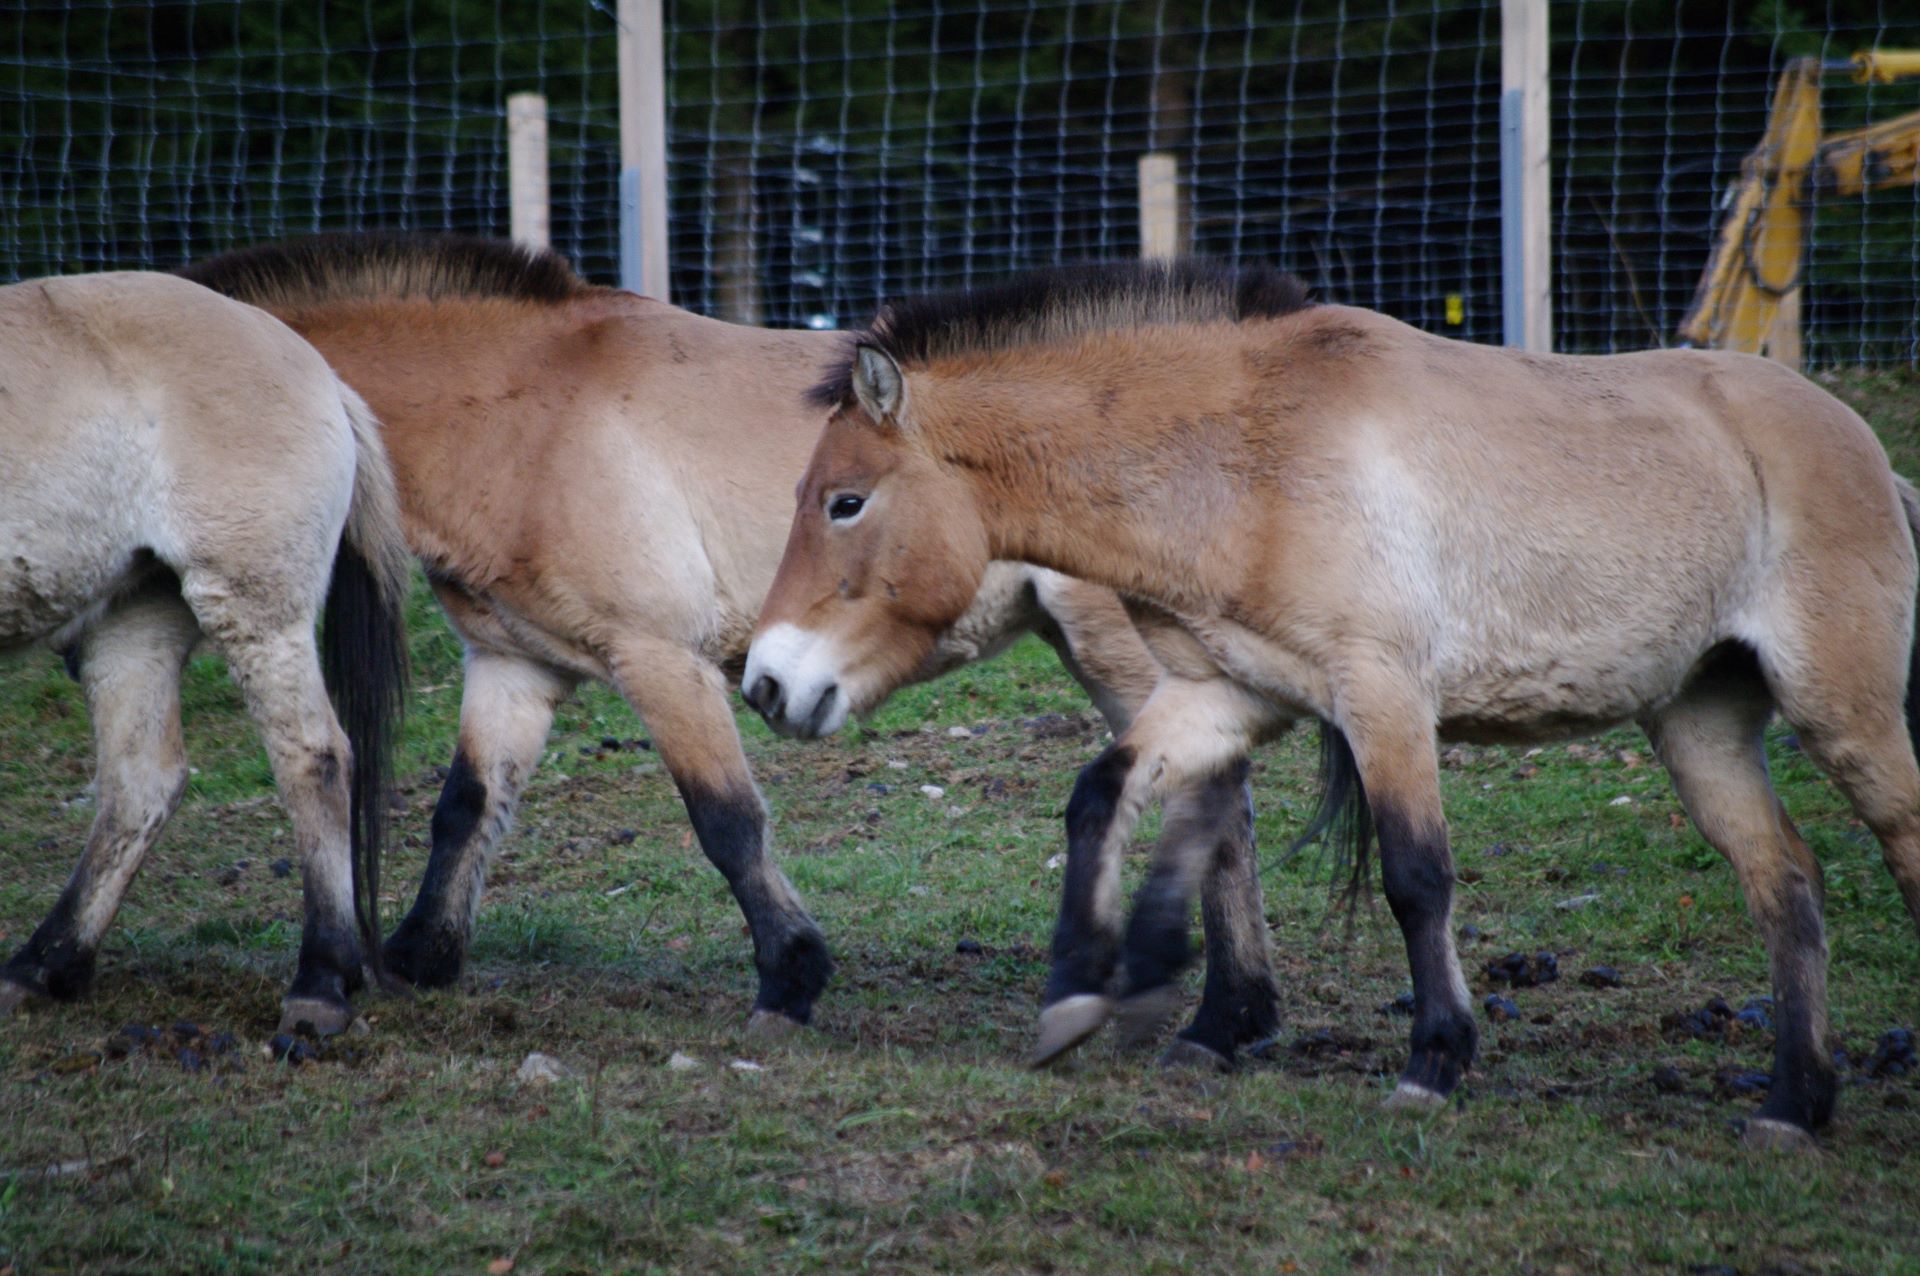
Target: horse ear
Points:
(878, 385)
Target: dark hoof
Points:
(1067, 1023)
(771, 1025)
(1141, 1018)
(1187, 1055)
(418, 959)
(315, 1016)
(1773, 1135)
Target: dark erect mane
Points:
(1062, 303)
(382, 265)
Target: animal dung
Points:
(1517, 970)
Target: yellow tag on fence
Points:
(1456, 309)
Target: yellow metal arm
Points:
(1755, 265)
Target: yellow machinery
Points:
(1749, 294)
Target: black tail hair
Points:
(363, 656)
(1910, 506)
(1343, 819)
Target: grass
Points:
(903, 1134)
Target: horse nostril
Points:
(765, 695)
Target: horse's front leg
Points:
(1391, 734)
(1105, 806)
(683, 700)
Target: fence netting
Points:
(828, 154)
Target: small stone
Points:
(1622, 800)
(540, 1069)
(745, 1065)
(1500, 1009)
(682, 1062)
(494, 1160)
(359, 1027)
(933, 790)
(1577, 901)
(895, 764)
(1058, 861)
(959, 733)
(1601, 977)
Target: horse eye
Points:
(843, 507)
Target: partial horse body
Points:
(597, 484)
(178, 467)
(1322, 512)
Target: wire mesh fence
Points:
(825, 155)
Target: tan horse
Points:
(598, 486)
(1325, 513)
(179, 466)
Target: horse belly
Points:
(1583, 686)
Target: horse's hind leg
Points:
(683, 700)
(1207, 833)
(1240, 1002)
(267, 638)
(1191, 732)
(1097, 642)
(129, 665)
(506, 710)
(1710, 740)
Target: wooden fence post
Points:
(527, 170)
(641, 51)
(1526, 264)
(1159, 206)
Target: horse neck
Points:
(1109, 463)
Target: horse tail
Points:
(363, 656)
(1342, 817)
(1910, 502)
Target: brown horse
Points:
(1326, 513)
(597, 484)
(178, 467)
